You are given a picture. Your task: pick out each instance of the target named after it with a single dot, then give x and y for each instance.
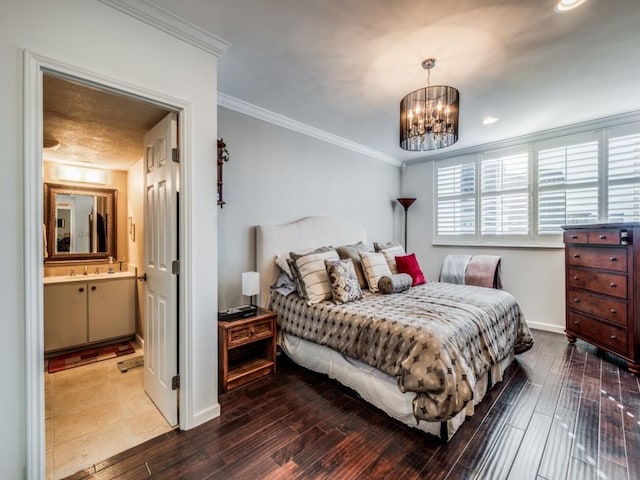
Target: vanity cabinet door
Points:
(111, 309)
(65, 315)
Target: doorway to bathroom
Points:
(94, 411)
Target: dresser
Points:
(602, 269)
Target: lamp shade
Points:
(250, 283)
(406, 202)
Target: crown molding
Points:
(170, 23)
(260, 113)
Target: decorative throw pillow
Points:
(351, 251)
(395, 283)
(377, 246)
(390, 254)
(296, 277)
(344, 283)
(374, 266)
(312, 273)
(409, 264)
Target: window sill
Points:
(544, 246)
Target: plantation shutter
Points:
(624, 179)
(455, 186)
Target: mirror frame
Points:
(50, 191)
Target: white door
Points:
(160, 250)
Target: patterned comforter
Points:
(438, 339)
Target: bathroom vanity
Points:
(84, 309)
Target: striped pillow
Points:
(375, 267)
(390, 255)
(313, 275)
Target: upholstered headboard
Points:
(308, 232)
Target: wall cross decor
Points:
(223, 156)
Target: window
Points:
(524, 195)
(456, 186)
(624, 179)
(504, 196)
(567, 186)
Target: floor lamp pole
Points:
(406, 202)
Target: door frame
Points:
(34, 65)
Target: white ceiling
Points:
(343, 66)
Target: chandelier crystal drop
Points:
(429, 116)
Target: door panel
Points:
(161, 317)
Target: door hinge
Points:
(175, 382)
(175, 155)
(175, 267)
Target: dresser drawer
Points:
(575, 236)
(249, 333)
(605, 334)
(603, 237)
(607, 308)
(612, 284)
(606, 258)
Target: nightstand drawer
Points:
(249, 333)
(606, 258)
(575, 236)
(607, 308)
(612, 284)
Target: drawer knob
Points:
(613, 337)
(81, 289)
(576, 277)
(93, 287)
(577, 322)
(576, 255)
(603, 237)
(612, 285)
(576, 300)
(612, 259)
(252, 332)
(574, 236)
(613, 310)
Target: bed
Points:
(426, 356)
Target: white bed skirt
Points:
(378, 388)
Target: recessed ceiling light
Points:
(489, 120)
(565, 5)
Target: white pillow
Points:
(314, 276)
(390, 255)
(375, 267)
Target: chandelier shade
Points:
(429, 116)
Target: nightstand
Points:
(247, 349)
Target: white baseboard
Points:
(547, 327)
(140, 340)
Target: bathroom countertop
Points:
(80, 277)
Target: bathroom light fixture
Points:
(68, 173)
(406, 202)
(566, 5)
(429, 116)
(251, 285)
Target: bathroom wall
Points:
(115, 179)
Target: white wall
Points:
(534, 276)
(97, 38)
(275, 175)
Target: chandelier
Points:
(429, 116)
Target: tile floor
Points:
(95, 411)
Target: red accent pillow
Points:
(409, 264)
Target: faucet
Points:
(85, 271)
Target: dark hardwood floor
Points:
(562, 412)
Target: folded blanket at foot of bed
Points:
(478, 270)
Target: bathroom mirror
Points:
(80, 223)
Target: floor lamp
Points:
(406, 202)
